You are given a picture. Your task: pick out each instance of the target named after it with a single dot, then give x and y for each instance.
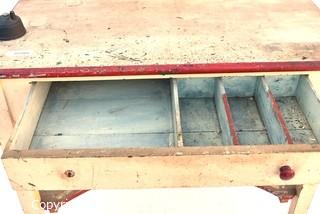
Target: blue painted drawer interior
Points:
(140, 113)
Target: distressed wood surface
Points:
(200, 123)
(99, 114)
(106, 114)
(85, 141)
(164, 151)
(26, 125)
(296, 120)
(6, 122)
(258, 167)
(240, 86)
(271, 114)
(301, 202)
(15, 92)
(248, 123)
(176, 116)
(309, 100)
(163, 167)
(30, 202)
(228, 132)
(99, 32)
(283, 85)
(131, 113)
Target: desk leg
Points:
(30, 202)
(302, 201)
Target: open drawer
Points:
(166, 133)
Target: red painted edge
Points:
(69, 198)
(74, 195)
(134, 70)
(232, 127)
(279, 117)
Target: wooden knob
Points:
(286, 173)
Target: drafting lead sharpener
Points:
(11, 27)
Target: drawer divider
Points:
(271, 115)
(176, 116)
(228, 130)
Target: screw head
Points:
(286, 172)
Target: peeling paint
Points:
(134, 70)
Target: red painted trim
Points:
(74, 195)
(134, 70)
(279, 117)
(232, 127)
(67, 199)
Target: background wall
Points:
(7, 5)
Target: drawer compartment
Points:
(264, 110)
(182, 132)
(199, 118)
(99, 114)
(166, 113)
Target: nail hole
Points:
(69, 173)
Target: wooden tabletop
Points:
(67, 33)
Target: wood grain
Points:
(115, 32)
(181, 170)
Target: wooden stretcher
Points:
(155, 94)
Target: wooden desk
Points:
(178, 40)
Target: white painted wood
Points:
(163, 32)
(27, 123)
(30, 202)
(176, 117)
(301, 202)
(160, 168)
(6, 122)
